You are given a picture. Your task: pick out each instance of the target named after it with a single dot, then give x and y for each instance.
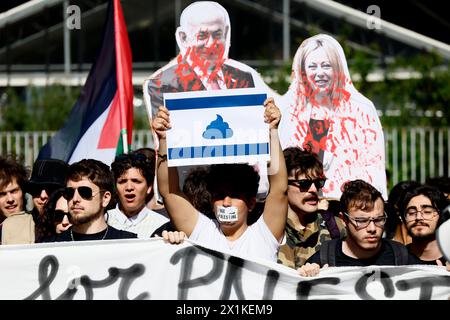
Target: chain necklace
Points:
(103, 238)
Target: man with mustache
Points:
(134, 174)
(88, 192)
(422, 213)
(362, 209)
(307, 227)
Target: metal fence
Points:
(412, 153)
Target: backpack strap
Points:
(400, 252)
(328, 253)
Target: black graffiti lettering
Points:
(425, 284)
(233, 278)
(304, 287)
(187, 256)
(272, 277)
(361, 285)
(45, 277)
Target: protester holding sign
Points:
(233, 189)
(323, 109)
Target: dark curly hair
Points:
(437, 198)
(299, 161)
(96, 171)
(234, 180)
(11, 168)
(360, 195)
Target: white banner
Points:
(152, 269)
(217, 127)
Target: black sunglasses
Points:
(84, 192)
(305, 184)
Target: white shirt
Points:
(257, 241)
(143, 224)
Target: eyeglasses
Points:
(427, 212)
(361, 223)
(58, 215)
(305, 184)
(84, 192)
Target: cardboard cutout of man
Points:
(323, 109)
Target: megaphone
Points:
(443, 237)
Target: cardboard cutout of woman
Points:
(322, 110)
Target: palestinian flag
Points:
(100, 123)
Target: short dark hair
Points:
(360, 195)
(11, 168)
(437, 198)
(136, 160)
(302, 162)
(96, 171)
(235, 180)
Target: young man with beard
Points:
(134, 174)
(309, 222)
(422, 212)
(362, 209)
(88, 192)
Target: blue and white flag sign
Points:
(220, 126)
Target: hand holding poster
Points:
(217, 127)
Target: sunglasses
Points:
(58, 215)
(305, 184)
(85, 192)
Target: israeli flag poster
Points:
(219, 126)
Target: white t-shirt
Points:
(256, 242)
(143, 224)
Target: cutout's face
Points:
(132, 190)
(421, 217)
(11, 199)
(305, 200)
(84, 208)
(319, 71)
(207, 39)
(366, 236)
